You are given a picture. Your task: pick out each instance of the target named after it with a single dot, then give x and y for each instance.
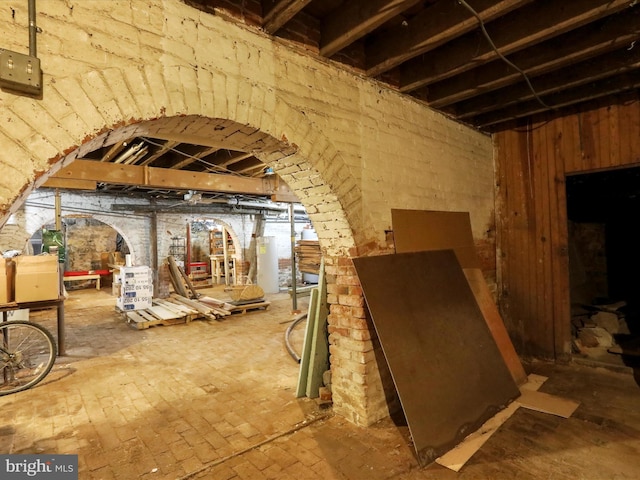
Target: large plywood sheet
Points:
(446, 367)
(420, 230)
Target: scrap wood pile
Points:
(178, 309)
(180, 280)
(309, 256)
(186, 305)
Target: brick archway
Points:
(81, 113)
(178, 99)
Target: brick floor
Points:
(215, 400)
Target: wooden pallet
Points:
(245, 307)
(162, 312)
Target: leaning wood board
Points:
(448, 371)
(319, 359)
(420, 230)
(305, 357)
(530, 398)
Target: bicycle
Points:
(27, 354)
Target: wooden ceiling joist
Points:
(357, 18)
(554, 55)
(510, 33)
(431, 28)
(591, 91)
(280, 12)
(70, 184)
(167, 178)
(572, 76)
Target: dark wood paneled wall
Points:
(532, 161)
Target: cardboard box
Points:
(37, 278)
(6, 280)
(22, 314)
(134, 303)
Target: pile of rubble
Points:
(599, 327)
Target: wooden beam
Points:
(556, 81)
(235, 159)
(285, 198)
(615, 32)
(431, 28)
(520, 29)
(280, 12)
(357, 18)
(168, 179)
(168, 145)
(194, 158)
(591, 91)
(68, 184)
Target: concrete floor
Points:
(215, 400)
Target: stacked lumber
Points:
(314, 360)
(240, 307)
(309, 256)
(162, 312)
(178, 309)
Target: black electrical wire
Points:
(502, 57)
(287, 334)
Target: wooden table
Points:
(90, 276)
(58, 303)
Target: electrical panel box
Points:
(20, 73)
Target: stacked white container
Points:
(136, 289)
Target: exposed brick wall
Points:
(349, 147)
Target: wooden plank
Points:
(530, 398)
(545, 403)
(176, 277)
(458, 456)
(146, 315)
(522, 174)
(305, 356)
(419, 230)
(244, 308)
(163, 313)
(133, 316)
(218, 306)
(356, 19)
(67, 184)
(319, 359)
(203, 309)
(177, 308)
(166, 178)
(541, 240)
(192, 303)
(281, 12)
(494, 322)
(143, 319)
(559, 244)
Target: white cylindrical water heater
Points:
(268, 264)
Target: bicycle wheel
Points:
(27, 354)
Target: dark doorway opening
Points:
(603, 209)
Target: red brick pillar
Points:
(362, 388)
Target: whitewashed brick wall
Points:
(349, 147)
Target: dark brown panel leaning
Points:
(446, 367)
